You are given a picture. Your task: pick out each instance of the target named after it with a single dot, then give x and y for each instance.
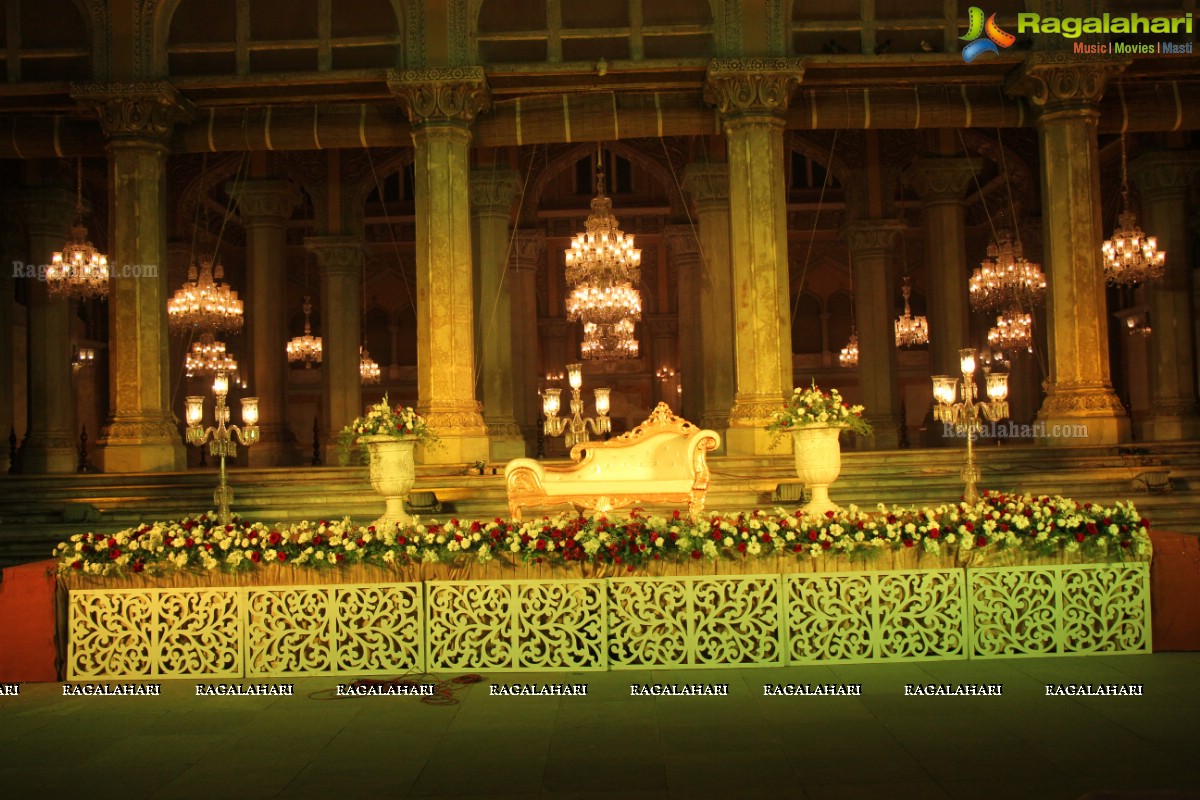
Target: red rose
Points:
(114, 554)
(934, 533)
(969, 526)
(796, 547)
(274, 537)
(400, 539)
(112, 542)
(716, 535)
(741, 547)
(812, 536)
(981, 541)
(675, 514)
(359, 542)
(77, 564)
(829, 514)
(695, 554)
(1079, 537)
(1091, 528)
(254, 556)
(908, 542)
(339, 558)
(208, 546)
(541, 544)
(825, 545)
(228, 528)
(1125, 543)
(137, 566)
(317, 539)
(189, 542)
(282, 556)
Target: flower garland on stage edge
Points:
(1036, 526)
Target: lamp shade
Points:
(945, 389)
(966, 358)
(221, 385)
(997, 386)
(602, 401)
(250, 410)
(551, 402)
(195, 410)
(575, 375)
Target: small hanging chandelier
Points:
(367, 368)
(1006, 277)
(1130, 256)
(608, 342)
(849, 355)
(911, 331)
(306, 348)
(204, 302)
(1013, 331)
(603, 271)
(208, 357)
(80, 270)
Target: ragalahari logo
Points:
(977, 28)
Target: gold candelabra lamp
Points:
(575, 427)
(967, 416)
(222, 439)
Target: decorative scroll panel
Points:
(149, 633)
(875, 616)
(366, 629)
(516, 625)
(1059, 610)
(694, 621)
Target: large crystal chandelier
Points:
(1006, 277)
(368, 369)
(1130, 256)
(208, 357)
(204, 302)
(306, 348)
(80, 270)
(849, 355)
(911, 331)
(1013, 331)
(603, 270)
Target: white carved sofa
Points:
(663, 460)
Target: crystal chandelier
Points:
(204, 302)
(367, 368)
(1130, 256)
(608, 342)
(208, 357)
(849, 355)
(1013, 331)
(306, 348)
(603, 270)
(80, 270)
(1006, 277)
(911, 331)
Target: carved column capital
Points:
(445, 94)
(264, 200)
(336, 255)
(708, 184)
(739, 86)
(869, 237)
(940, 180)
(1165, 173)
(46, 212)
(493, 191)
(529, 247)
(1060, 80)
(136, 109)
(682, 244)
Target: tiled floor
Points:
(612, 745)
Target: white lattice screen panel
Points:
(694, 621)
(151, 633)
(1059, 610)
(516, 625)
(876, 616)
(368, 629)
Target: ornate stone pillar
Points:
(492, 194)
(940, 183)
(683, 249)
(708, 185)
(664, 338)
(265, 207)
(871, 244)
(1067, 91)
(340, 264)
(1163, 180)
(528, 251)
(441, 105)
(752, 96)
(142, 434)
(49, 444)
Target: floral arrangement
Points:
(382, 419)
(808, 407)
(1036, 526)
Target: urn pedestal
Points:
(818, 456)
(393, 472)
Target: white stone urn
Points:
(393, 472)
(818, 463)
